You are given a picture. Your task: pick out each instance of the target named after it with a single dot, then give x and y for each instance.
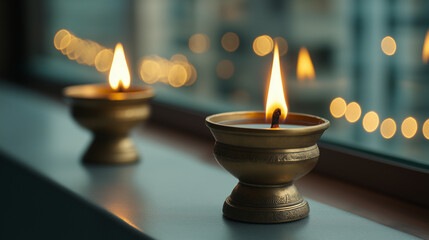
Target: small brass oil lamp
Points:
(267, 159)
(110, 113)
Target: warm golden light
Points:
(193, 77)
(165, 65)
(388, 128)
(230, 41)
(199, 43)
(178, 58)
(59, 36)
(190, 70)
(425, 129)
(90, 50)
(177, 75)
(388, 45)
(150, 71)
(371, 121)
(83, 51)
(80, 51)
(128, 222)
(225, 69)
(103, 60)
(276, 95)
(425, 52)
(263, 45)
(353, 112)
(338, 107)
(119, 77)
(65, 43)
(282, 44)
(176, 72)
(409, 127)
(121, 213)
(72, 50)
(304, 67)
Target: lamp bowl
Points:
(266, 162)
(109, 116)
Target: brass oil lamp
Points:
(267, 159)
(110, 113)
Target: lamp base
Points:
(265, 204)
(111, 150)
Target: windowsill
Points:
(360, 201)
(372, 205)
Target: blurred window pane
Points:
(215, 56)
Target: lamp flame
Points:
(119, 76)
(425, 53)
(276, 95)
(304, 67)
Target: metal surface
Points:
(109, 116)
(266, 162)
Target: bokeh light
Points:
(199, 43)
(73, 49)
(178, 58)
(165, 65)
(176, 72)
(83, 51)
(353, 112)
(177, 75)
(92, 49)
(88, 57)
(59, 36)
(388, 45)
(370, 121)
(282, 45)
(150, 71)
(409, 127)
(425, 129)
(193, 77)
(230, 41)
(65, 42)
(263, 45)
(388, 128)
(225, 69)
(190, 69)
(103, 60)
(338, 107)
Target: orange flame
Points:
(425, 53)
(119, 77)
(304, 67)
(276, 95)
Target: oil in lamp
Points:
(110, 112)
(267, 158)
